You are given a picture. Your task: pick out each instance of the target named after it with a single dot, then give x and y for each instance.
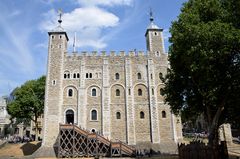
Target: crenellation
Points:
(94, 53)
(122, 53)
(141, 53)
(103, 53)
(74, 54)
(84, 53)
(131, 53)
(112, 53)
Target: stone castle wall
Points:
(123, 89)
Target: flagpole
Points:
(74, 42)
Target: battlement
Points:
(104, 53)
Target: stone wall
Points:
(128, 101)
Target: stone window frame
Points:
(117, 76)
(68, 92)
(140, 92)
(118, 92)
(95, 92)
(142, 115)
(91, 117)
(139, 76)
(164, 114)
(66, 74)
(74, 75)
(54, 82)
(95, 130)
(118, 115)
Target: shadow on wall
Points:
(30, 147)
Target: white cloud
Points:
(89, 17)
(105, 2)
(87, 22)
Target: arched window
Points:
(90, 75)
(139, 76)
(117, 92)
(94, 115)
(118, 115)
(152, 91)
(70, 92)
(74, 75)
(78, 75)
(86, 75)
(139, 92)
(94, 92)
(141, 115)
(164, 115)
(117, 76)
(69, 116)
(66, 74)
(151, 76)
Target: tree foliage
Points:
(28, 101)
(204, 77)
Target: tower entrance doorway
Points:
(69, 117)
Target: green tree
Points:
(204, 77)
(28, 101)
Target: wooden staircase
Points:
(76, 142)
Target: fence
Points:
(198, 150)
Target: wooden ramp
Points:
(76, 142)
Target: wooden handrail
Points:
(117, 145)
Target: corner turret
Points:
(57, 47)
(154, 38)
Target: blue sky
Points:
(99, 25)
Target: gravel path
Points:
(20, 150)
